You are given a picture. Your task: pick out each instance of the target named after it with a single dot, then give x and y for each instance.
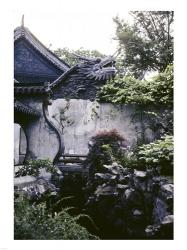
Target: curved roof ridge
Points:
(62, 76)
(23, 32)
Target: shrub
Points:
(127, 89)
(105, 148)
(158, 154)
(107, 137)
(129, 160)
(35, 222)
(32, 167)
(161, 121)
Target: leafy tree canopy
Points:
(69, 56)
(147, 44)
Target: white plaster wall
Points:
(86, 118)
(83, 119)
(16, 143)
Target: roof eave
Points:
(24, 33)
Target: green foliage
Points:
(128, 159)
(73, 186)
(160, 121)
(123, 90)
(155, 156)
(158, 154)
(147, 44)
(108, 152)
(105, 148)
(161, 87)
(69, 55)
(36, 222)
(32, 167)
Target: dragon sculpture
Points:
(83, 80)
(40, 78)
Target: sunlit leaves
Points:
(147, 44)
(127, 89)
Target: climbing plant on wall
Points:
(62, 118)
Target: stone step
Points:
(71, 160)
(74, 155)
(24, 181)
(72, 168)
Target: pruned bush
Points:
(108, 136)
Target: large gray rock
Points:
(38, 188)
(121, 187)
(140, 180)
(130, 200)
(105, 177)
(115, 168)
(105, 190)
(137, 212)
(167, 189)
(151, 231)
(22, 181)
(128, 193)
(140, 174)
(169, 219)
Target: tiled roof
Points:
(31, 90)
(62, 77)
(23, 32)
(20, 107)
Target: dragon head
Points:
(84, 79)
(97, 68)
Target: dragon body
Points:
(83, 80)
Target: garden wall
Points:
(16, 143)
(82, 119)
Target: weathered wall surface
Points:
(82, 119)
(20, 144)
(42, 140)
(16, 143)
